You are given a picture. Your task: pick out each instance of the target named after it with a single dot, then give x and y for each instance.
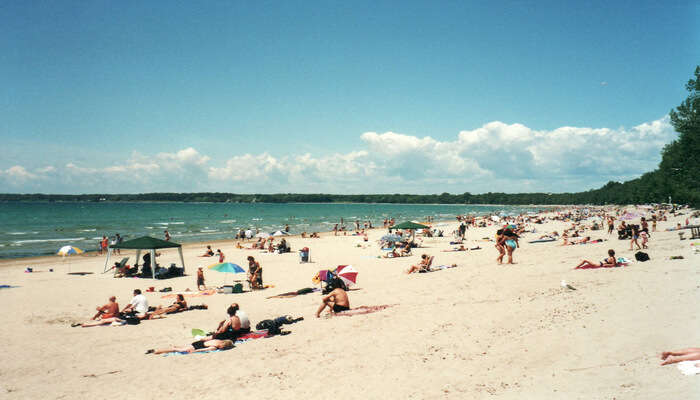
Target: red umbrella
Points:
(347, 273)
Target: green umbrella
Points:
(410, 225)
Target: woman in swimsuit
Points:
(510, 242)
(179, 305)
(198, 346)
(609, 262)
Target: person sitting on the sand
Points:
(198, 346)
(611, 261)
(303, 235)
(179, 305)
(337, 301)
(424, 265)
(106, 314)
(235, 325)
(208, 252)
(109, 310)
(689, 354)
(138, 304)
(314, 235)
(238, 245)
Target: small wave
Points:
(256, 219)
(177, 223)
(227, 221)
(88, 230)
(209, 230)
(21, 242)
(19, 233)
(149, 227)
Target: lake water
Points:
(31, 229)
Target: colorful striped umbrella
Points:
(68, 250)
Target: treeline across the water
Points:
(612, 193)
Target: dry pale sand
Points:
(476, 331)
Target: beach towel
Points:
(295, 293)
(441, 267)
(363, 310)
(543, 240)
(203, 293)
(184, 353)
(261, 334)
(7, 286)
(688, 367)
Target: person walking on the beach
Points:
(635, 237)
(611, 225)
(510, 243)
(500, 246)
(222, 257)
(200, 279)
(167, 235)
(337, 301)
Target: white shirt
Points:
(140, 304)
(245, 322)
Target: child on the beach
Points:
(200, 279)
(645, 238)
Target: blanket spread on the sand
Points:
(203, 293)
(363, 310)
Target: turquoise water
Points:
(32, 229)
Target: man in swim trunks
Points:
(337, 301)
(109, 310)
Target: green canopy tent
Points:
(145, 243)
(410, 225)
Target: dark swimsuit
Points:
(337, 308)
(198, 345)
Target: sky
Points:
(338, 97)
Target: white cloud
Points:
(494, 157)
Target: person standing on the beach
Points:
(611, 225)
(103, 244)
(286, 228)
(200, 279)
(118, 241)
(222, 257)
(167, 235)
(335, 230)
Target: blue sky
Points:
(420, 97)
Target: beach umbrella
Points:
(347, 273)
(391, 238)
(67, 251)
(629, 216)
(279, 233)
(227, 268)
(263, 235)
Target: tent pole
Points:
(109, 253)
(182, 259)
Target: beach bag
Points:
(641, 256)
(272, 327)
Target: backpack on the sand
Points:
(641, 256)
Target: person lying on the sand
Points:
(611, 261)
(336, 301)
(460, 248)
(314, 235)
(208, 252)
(195, 347)
(235, 325)
(179, 305)
(392, 254)
(424, 265)
(106, 314)
(689, 354)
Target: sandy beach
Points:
(479, 330)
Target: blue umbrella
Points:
(391, 238)
(227, 267)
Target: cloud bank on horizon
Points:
(495, 157)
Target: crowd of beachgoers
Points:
(609, 238)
